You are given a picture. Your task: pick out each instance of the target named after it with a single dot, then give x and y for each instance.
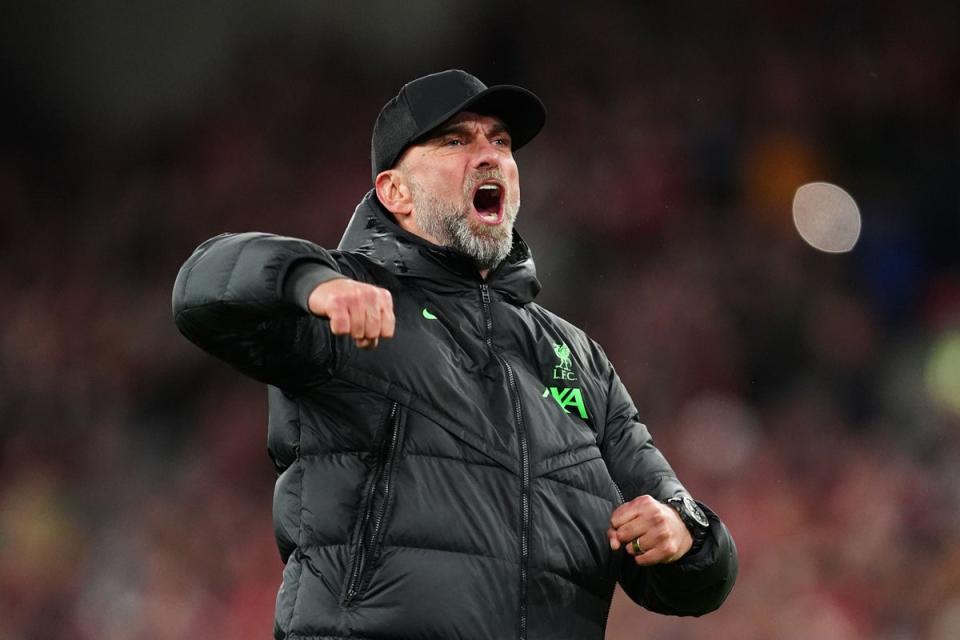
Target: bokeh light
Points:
(943, 371)
(826, 217)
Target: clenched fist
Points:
(362, 311)
(656, 527)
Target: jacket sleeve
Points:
(694, 585)
(243, 299)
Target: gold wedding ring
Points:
(635, 546)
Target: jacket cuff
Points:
(302, 278)
(710, 563)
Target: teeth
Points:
(489, 186)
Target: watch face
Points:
(695, 512)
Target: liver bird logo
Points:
(563, 352)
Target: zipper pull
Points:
(485, 293)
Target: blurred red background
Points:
(812, 399)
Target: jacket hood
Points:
(373, 233)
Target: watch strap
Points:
(693, 518)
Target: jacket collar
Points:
(373, 233)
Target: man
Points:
(454, 460)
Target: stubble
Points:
(454, 225)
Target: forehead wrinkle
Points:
(451, 127)
(498, 126)
(465, 122)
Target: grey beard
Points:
(452, 225)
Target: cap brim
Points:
(521, 111)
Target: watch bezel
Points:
(690, 511)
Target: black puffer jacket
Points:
(458, 480)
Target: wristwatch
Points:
(693, 517)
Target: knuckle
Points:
(351, 299)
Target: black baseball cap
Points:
(424, 104)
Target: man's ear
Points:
(394, 193)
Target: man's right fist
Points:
(362, 311)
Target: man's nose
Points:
(487, 154)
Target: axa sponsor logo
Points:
(569, 398)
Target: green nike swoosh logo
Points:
(428, 315)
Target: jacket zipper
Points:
(382, 474)
(524, 463)
(606, 615)
(387, 474)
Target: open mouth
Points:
(488, 202)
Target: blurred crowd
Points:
(811, 399)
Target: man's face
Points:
(465, 187)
